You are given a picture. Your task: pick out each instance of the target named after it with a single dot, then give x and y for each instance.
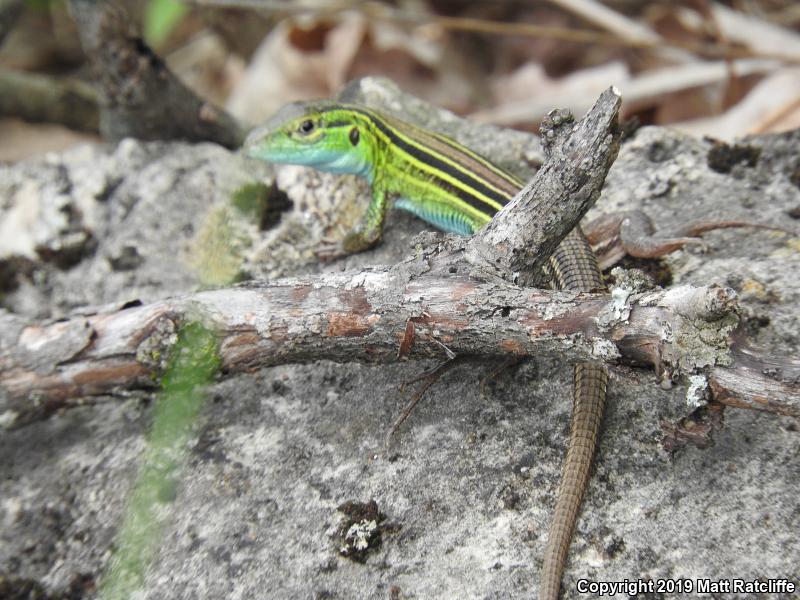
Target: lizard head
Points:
(324, 135)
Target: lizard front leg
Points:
(365, 234)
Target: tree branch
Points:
(363, 316)
(140, 96)
(9, 12)
(40, 98)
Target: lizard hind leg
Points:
(613, 236)
(492, 375)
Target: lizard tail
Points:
(590, 382)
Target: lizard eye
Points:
(306, 126)
(354, 136)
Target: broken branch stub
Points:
(519, 240)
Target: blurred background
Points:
(722, 69)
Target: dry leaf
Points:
(20, 140)
(528, 94)
(299, 59)
(313, 58)
(772, 105)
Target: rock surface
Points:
(466, 488)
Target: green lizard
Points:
(456, 190)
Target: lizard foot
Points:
(330, 249)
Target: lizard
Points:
(456, 190)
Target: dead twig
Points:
(41, 98)
(139, 96)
